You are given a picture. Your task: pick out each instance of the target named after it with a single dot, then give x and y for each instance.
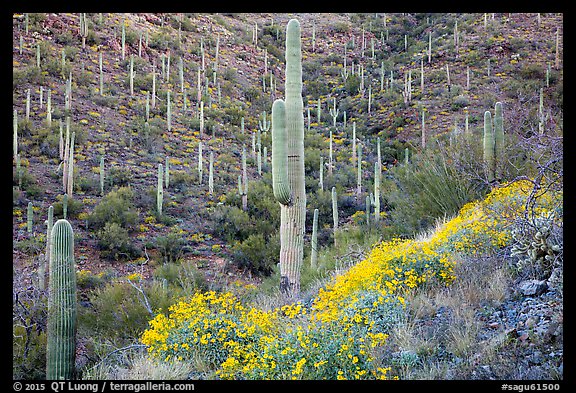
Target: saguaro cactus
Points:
(61, 323)
(288, 164)
(83, 29)
(377, 172)
(489, 146)
(101, 175)
(314, 241)
(29, 217)
(160, 190)
(334, 212)
(498, 139)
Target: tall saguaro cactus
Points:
(160, 190)
(488, 145)
(314, 241)
(498, 139)
(288, 164)
(61, 323)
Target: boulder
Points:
(533, 287)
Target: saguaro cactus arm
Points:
(279, 155)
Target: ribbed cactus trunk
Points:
(498, 140)
(488, 146)
(288, 164)
(314, 242)
(160, 190)
(61, 324)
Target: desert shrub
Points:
(114, 242)
(185, 276)
(29, 333)
(426, 189)
(118, 310)
(171, 246)
(257, 253)
(73, 206)
(231, 223)
(116, 207)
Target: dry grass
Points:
(139, 366)
(442, 326)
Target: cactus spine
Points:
(288, 164)
(61, 323)
(314, 242)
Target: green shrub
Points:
(171, 246)
(257, 254)
(425, 190)
(183, 276)
(116, 207)
(114, 242)
(118, 311)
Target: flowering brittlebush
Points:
(337, 336)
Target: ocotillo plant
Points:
(314, 242)
(288, 164)
(488, 146)
(61, 321)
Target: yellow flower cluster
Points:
(337, 335)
